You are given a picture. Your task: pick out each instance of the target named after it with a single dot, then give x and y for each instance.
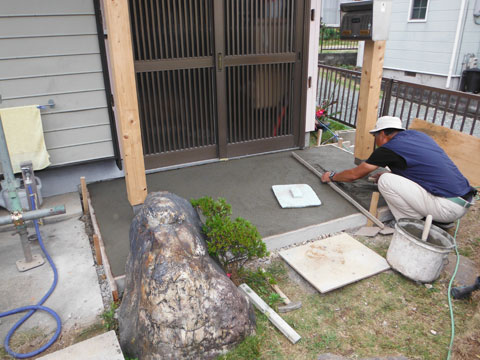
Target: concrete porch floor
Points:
(77, 297)
(246, 184)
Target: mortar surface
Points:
(245, 183)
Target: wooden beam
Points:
(98, 254)
(367, 115)
(373, 206)
(102, 251)
(462, 148)
(125, 96)
(84, 195)
(281, 324)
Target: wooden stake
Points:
(84, 195)
(373, 206)
(369, 96)
(98, 254)
(319, 137)
(103, 254)
(281, 325)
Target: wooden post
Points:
(98, 254)
(319, 137)
(125, 96)
(84, 195)
(368, 99)
(373, 206)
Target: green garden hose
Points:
(452, 320)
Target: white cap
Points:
(387, 122)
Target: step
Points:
(101, 347)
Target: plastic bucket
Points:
(416, 259)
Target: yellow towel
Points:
(24, 133)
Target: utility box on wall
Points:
(365, 20)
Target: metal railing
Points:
(330, 40)
(453, 109)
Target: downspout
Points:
(461, 16)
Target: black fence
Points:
(330, 40)
(453, 109)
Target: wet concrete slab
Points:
(245, 183)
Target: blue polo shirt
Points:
(427, 164)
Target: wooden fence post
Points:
(125, 95)
(369, 98)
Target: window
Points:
(418, 10)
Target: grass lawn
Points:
(384, 315)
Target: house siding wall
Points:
(422, 46)
(49, 50)
(470, 41)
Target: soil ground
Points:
(385, 315)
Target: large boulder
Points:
(178, 303)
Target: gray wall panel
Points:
(66, 120)
(49, 50)
(47, 26)
(81, 153)
(29, 7)
(55, 65)
(422, 46)
(48, 46)
(38, 86)
(63, 102)
(71, 137)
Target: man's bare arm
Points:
(350, 175)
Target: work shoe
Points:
(442, 225)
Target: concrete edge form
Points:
(105, 262)
(275, 242)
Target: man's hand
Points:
(326, 177)
(376, 176)
(353, 174)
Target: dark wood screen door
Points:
(216, 78)
(258, 53)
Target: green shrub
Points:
(231, 242)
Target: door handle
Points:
(220, 61)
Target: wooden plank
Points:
(319, 137)
(103, 254)
(462, 148)
(281, 324)
(83, 185)
(373, 206)
(98, 254)
(125, 95)
(369, 98)
(341, 192)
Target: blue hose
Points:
(32, 308)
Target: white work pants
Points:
(407, 199)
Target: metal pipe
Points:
(461, 15)
(27, 251)
(32, 215)
(10, 183)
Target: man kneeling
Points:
(423, 179)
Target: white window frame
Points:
(409, 15)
